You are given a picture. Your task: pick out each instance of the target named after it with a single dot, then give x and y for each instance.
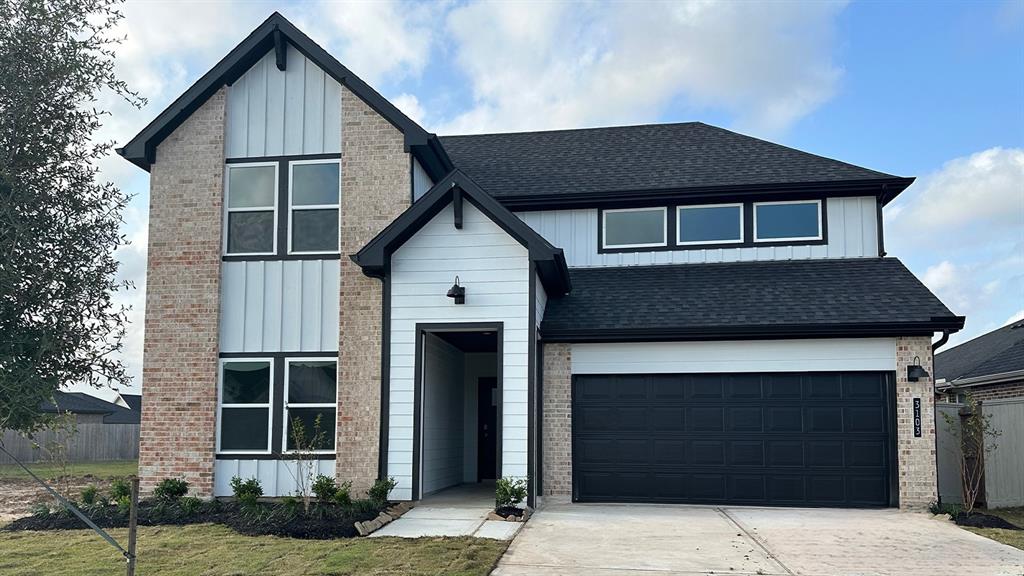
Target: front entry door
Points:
(487, 429)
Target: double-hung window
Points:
(251, 227)
(244, 401)
(311, 404)
(709, 224)
(787, 221)
(634, 228)
(313, 200)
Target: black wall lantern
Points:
(915, 372)
(458, 293)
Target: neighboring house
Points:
(988, 367)
(662, 313)
(88, 408)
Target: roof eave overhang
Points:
(780, 332)
(885, 189)
(141, 150)
(987, 379)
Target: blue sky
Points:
(933, 90)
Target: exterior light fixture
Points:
(915, 372)
(458, 293)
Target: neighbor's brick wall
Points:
(182, 303)
(917, 482)
(557, 421)
(375, 183)
(997, 391)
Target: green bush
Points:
(365, 506)
(343, 495)
(124, 504)
(381, 489)
(190, 505)
(509, 492)
(951, 509)
(324, 488)
(246, 491)
(89, 494)
(40, 509)
(120, 487)
(170, 489)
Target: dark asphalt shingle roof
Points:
(997, 352)
(80, 403)
(739, 295)
(628, 158)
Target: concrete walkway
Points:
(601, 540)
(459, 511)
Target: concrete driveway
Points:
(599, 540)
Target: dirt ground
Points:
(18, 495)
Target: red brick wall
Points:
(182, 303)
(997, 391)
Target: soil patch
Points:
(979, 520)
(19, 495)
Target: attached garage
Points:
(780, 439)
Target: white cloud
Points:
(1017, 317)
(410, 105)
(568, 65)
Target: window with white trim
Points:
(251, 209)
(313, 200)
(244, 406)
(787, 221)
(709, 224)
(634, 228)
(311, 392)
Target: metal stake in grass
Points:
(133, 518)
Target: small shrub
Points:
(190, 505)
(324, 488)
(367, 506)
(246, 491)
(124, 504)
(40, 509)
(120, 487)
(291, 504)
(89, 494)
(381, 489)
(509, 492)
(952, 509)
(343, 495)
(170, 489)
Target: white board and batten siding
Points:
(810, 355)
(283, 113)
(279, 306)
(494, 268)
(444, 390)
(421, 181)
(852, 233)
(277, 477)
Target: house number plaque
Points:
(917, 417)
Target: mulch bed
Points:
(979, 520)
(506, 511)
(265, 518)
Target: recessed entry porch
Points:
(457, 418)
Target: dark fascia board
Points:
(885, 189)
(551, 265)
(780, 331)
(141, 150)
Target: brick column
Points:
(375, 189)
(183, 303)
(917, 479)
(557, 425)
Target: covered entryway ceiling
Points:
(786, 439)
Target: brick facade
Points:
(556, 428)
(917, 476)
(376, 188)
(182, 303)
(996, 391)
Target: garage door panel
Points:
(811, 439)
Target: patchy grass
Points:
(45, 470)
(207, 549)
(1013, 538)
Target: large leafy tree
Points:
(59, 221)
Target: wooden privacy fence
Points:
(94, 441)
(1004, 466)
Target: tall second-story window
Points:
(313, 200)
(251, 209)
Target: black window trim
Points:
(281, 221)
(748, 229)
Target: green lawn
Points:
(206, 549)
(45, 470)
(1013, 538)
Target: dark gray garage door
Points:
(807, 439)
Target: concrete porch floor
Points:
(457, 511)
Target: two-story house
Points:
(660, 313)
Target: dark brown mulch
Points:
(506, 511)
(979, 520)
(266, 518)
